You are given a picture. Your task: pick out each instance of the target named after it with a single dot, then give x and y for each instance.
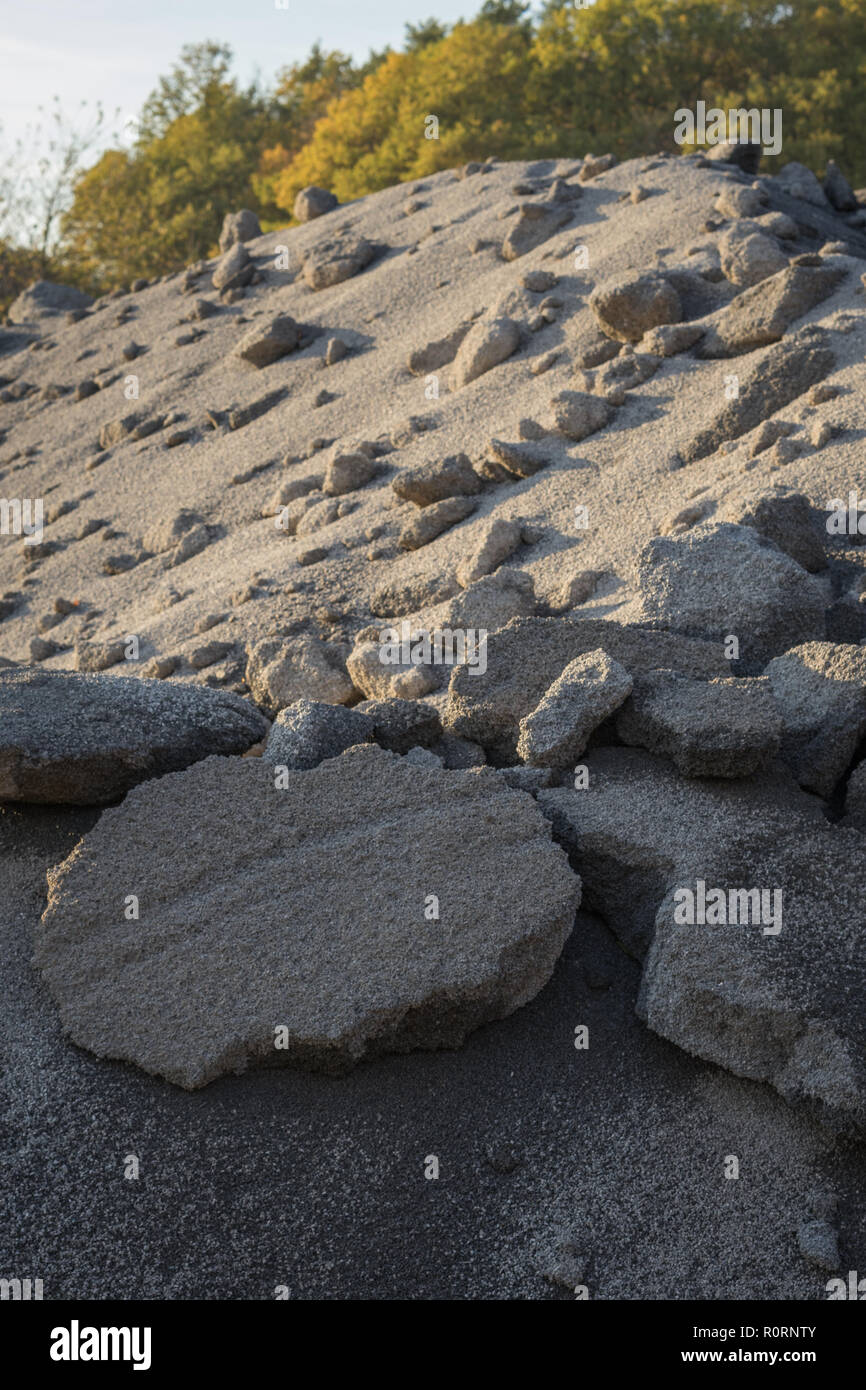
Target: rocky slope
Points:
(606, 422)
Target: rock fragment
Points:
(590, 689)
(293, 986)
(84, 740)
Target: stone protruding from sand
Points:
(628, 306)
(728, 727)
(268, 342)
(577, 414)
(330, 262)
(489, 342)
(399, 725)
(497, 541)
(234, 270)
(589, 690)
(433, 520)
(431, 482)
(239, 226)
(837, 189)
(747, 857)
(764, 313)
(438, 352)
(276, 931)
(749, 256)
(536, 222)
(313, 202)
(785, 518)
(83, 740)
(719, 581)
(786, 371)
(777, 1000)
(281, 670)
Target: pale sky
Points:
(115, 50)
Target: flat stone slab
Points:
(75, 739)
(296, 924)
(773, 992)
(527, 655)
(728, 727)
(719, 580)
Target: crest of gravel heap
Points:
(74, 739)
(304, 908)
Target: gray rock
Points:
(313, 202)
(281, 671)
(452, 476)
(748, 257)
(799, 182)
(459, 753)
(572, 591)
(819, 1244)
(347, 472)
(740, 200)
(83, 740)
(527, 655)
(238, 226)
(306, 733)
(667, 339)
(433, 520)
(269, 341)
(399, 725)
(577, 414)
(745, 154)
(855, 798)
(44, 299)
(782, 1008)
(209, 654)
(241, 959)
(837, 189)
(386, 680)
(785, 518)
(719, 580)
(488, 342)
(764, 313)
(527, 779)
(595, 164)
(640, 827)
(423, 757)
(497, 541)
(786, 371)
(518, 460)
(439, 351)
(536, 222)
(727, 727)
(330, 262)
(99, 656)
(820, 689)
(539, 281)
(234, 269)
(557, 731)
(628, 306)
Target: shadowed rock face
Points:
(70, 738)
(307, 908)
(775, 997)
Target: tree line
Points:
(507, 84)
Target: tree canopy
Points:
(606, 77)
